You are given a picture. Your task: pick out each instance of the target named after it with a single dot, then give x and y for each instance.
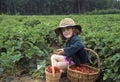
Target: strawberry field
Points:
(26, 42)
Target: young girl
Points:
(74, 48)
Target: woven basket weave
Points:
(50, 78)
(76, 76)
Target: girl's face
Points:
(67, 32)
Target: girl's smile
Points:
(67, 32)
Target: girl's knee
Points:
(53, 56)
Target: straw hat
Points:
(67, 22)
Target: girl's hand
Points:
(59, 51)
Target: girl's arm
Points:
(71, 50)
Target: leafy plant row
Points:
(27, 41)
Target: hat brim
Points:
(58, 30)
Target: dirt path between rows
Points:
(29, 79)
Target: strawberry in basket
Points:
(82, 68)
(49, 69)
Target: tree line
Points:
(29, 7)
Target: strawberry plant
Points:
(27, 41)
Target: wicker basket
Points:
(50, 78)
(76, 76)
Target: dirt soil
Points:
(29, 79)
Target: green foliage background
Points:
(27, 41)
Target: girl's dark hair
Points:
(75, 32)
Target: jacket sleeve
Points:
(73, 48)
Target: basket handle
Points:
(88, 49)
(98, 59)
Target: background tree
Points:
(55, 6)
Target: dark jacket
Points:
(74, 49)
